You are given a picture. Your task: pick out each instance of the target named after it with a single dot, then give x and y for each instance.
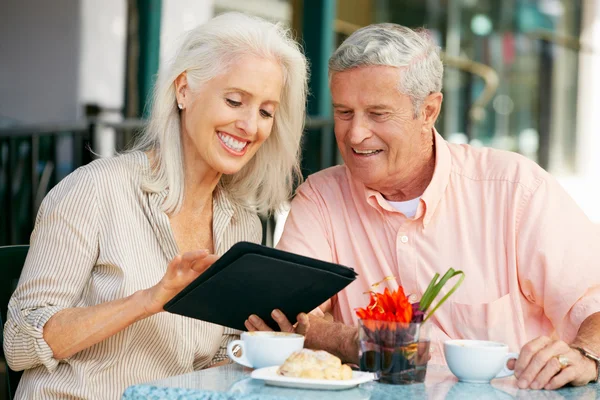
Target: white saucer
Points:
(270, 376)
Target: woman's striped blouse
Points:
(99, 237)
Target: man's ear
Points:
(430, 110)
(182, 89)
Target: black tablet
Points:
(254, 279)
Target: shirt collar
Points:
(433, 193)
(441, 176)
(223, 214)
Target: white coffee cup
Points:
(265, 349)
(478, 361)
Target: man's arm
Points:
(320, 334)
(588, 335)
(334, 337)
(557, 254)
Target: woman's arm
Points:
(74, 329)
(44, 324)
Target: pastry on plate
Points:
(315, 364)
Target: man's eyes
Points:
(379, 116)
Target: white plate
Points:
(270, 376)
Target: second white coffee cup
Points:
(478, 361)
(265, 349)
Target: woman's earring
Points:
(180, 106)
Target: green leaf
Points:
(434, 288)
(426, 300)
(447, 276)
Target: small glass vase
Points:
(396, 352)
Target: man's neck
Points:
(413, 184)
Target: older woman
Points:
(118, 238)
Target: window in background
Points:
(272, 10)
(530, 46)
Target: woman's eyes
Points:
(233, 103)
(266, 114)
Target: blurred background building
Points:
(521, 75)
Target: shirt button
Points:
(404, 239)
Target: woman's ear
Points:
(181, 90)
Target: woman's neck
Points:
(200, 179)
(200, 182)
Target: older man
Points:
(408, 204)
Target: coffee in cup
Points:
(478, 361)
(265, 349)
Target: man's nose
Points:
(359, 131)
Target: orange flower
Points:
(387, 306)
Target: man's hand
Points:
(255, 323)
(319, 333)
(538, 366)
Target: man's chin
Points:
(364, 176)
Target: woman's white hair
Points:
(207, 51)
(393, 45)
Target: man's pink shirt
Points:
(530, 256)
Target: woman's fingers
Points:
(186, 267)
(191, 257)
(182, 270)
(203, 263)
(173, 267)
(198, 261)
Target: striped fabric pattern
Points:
(99, 237)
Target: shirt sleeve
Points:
(558, 251)
(306, 230)
(229, 335)
(62, 254)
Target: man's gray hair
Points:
(393, 45)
